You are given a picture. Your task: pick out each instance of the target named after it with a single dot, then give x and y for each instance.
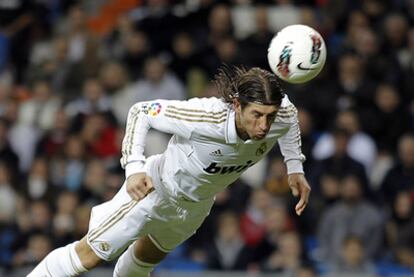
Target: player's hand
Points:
(300, 188)
(139, 185)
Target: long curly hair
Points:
(248, 85)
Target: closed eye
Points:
(257, 115)
(271, 116)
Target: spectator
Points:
(7, 155)
(253, 220)
(395, 27)
(40, 110)
(99, 136)
(404, 252)
(81, 225)
(159, 24)
(8, 196)
(63, 220)
(308, 135)
(361, 146)
(388, 119)
(52, 142)
(277, 222)
(400, 219)
(277, 181)
(352, 260)
(405, 58)
(401, 176)
(157, 83)
(67, 170)
(306, 271)
(352, 215)
(137, 50)
(83, 50)
(228, 252)
(21, 23)
(94, 182)
(220, 24)
(354, 89)
(38, 246)
(289, 256)
(340, 163)
(38, 185)
(40, 216)
(184, 57)
(35, 117)
(113, 77)
(258, 41)
(93, 100)
(115, 42)
(326, 193)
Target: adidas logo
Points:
(216, 153)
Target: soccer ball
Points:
(297, 54)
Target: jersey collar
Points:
(231, 132)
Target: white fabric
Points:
(130, 266)
(115, 224)
(255, 175)
(61, 262)
(205, 154)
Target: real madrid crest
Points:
(104, 246)
(262, 149)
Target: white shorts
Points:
(115, 224)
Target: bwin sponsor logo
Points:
(215, 168)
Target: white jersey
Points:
(205, 153)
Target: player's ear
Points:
(236, 105)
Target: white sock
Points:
(61, 262)
(129, 266)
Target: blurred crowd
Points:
(68, 76)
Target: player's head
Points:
(256, 96)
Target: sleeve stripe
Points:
(196, 119)
(132, 131)
(128, 139)
(217, 117)
(197, 110)
(287, 110)
(285, 116)
(287, 113)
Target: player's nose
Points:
(263, 125)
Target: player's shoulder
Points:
(209, 116)
(208, 104)
(287, 111)
(200, 112)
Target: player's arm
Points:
(290, 146)
(163, 115)
(141, 117)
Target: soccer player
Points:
(166, 197)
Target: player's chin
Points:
(259, 137)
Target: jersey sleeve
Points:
(290, 143)
(179, 118)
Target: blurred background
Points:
(70, 70)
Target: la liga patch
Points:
(153, 109)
